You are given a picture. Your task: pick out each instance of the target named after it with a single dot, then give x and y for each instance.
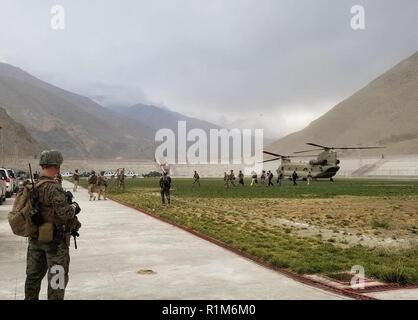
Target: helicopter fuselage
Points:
(325, 166)
(317, 171)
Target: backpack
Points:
(19, 218)
(92, 179)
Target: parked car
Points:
(2, 190)
(130, 173)
(152, 174)
(109, 174)
(14, 177)
(66, 174)
(5, 175)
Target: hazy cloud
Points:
(265, 63)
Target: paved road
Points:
(116, 242)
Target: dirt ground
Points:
(344, 220)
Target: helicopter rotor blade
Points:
(317, 145)
(343, 148)
(357, 148)
(308, 151)
(273, 154)
(275, 159)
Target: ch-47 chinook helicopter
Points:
(325, 166)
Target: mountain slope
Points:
(69, 122)
(157, 118)
(385, 112)
(17, 141)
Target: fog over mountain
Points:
(383, 113)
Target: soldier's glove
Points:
(76, 207)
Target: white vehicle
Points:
(130, 173)
(67, 174)
(6, 175)
(13, 176)
(109, 174)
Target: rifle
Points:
(35, 214)
(69, 197)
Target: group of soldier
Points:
(97, 184)
(266, 178)
(229, 179)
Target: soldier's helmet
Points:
(51, 158)
(93, 172)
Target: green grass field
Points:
(245, 218)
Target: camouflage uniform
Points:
(58, 179)
(42, 256)
(101, 185)
(165, 185)
(196, 178)
(226, 180)
(231, 178)
(91, 188)
(76, 179)
(241, 178)
(121, 180)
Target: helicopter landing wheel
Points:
(331, 179)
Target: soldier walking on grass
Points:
(309, 177)
(241, 178)
(196, 178)
(231, 178)
(226, 180)
(263, 178)
(120, 173)
(279, 177)
(270, 178)
(294, 178)
(165, 186)
(254, 179)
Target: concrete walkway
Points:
(116, 242)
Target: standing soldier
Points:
(241, 178)
(226, 180)
(165, 185)
(279, 177)
(270, 178)
(196, 178)
(294, 177)
(75, 179)
(232, 178)
(309, 177)
(254, 179)
(121, 179)
(91, 188)
(48, 250)
(263, 177)
(101, 186)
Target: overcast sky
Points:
(269, 64)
